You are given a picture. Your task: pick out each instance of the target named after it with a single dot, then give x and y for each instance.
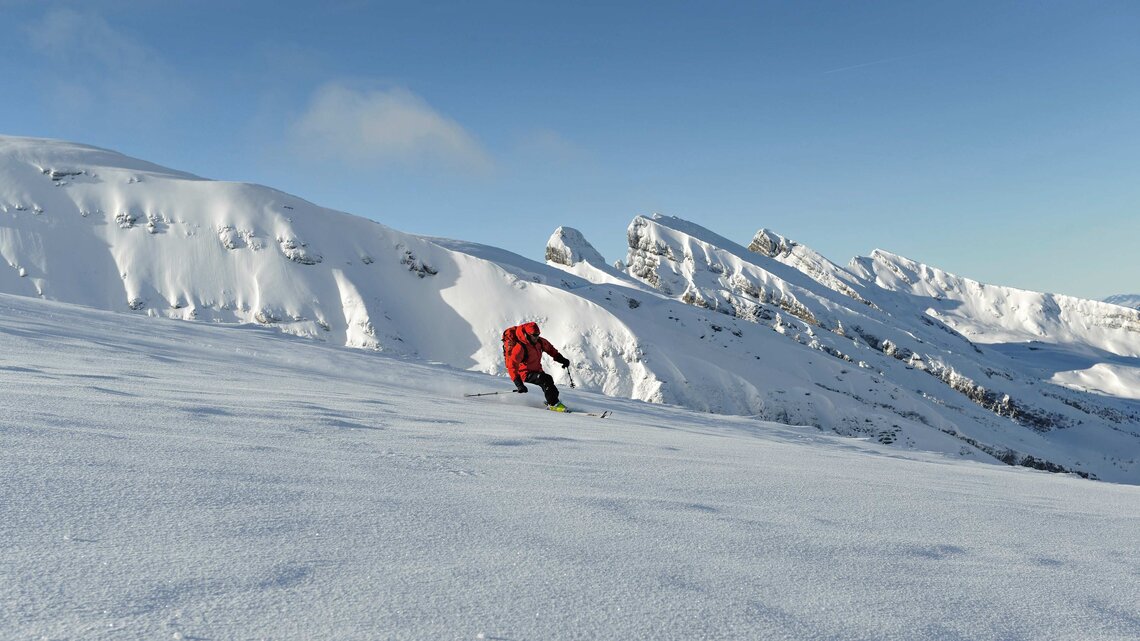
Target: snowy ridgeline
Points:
(1125, 300)
(885, 348)
(171, 480)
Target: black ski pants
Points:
(546, 382)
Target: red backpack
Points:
(510, 339)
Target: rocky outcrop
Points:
(297, 251)
(567, 246)
(770, 244)
(419, 267)
(701, 274)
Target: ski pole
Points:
(488, 393)
(572, 386)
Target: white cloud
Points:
(393, 126)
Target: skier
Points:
(522, 349)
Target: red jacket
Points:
(526, 357)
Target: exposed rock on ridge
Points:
(567, 246)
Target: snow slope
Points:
(181, 480)
(774, 330)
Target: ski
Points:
(565, 410)
(593, 414)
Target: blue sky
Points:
(999, 141)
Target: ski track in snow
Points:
(164, 479)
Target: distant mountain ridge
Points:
(1125, 300)
(884, 348)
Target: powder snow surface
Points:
(168, 480)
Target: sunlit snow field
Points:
(172, 480)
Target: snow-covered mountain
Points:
(885, 348)
(920, 332)
(1125, 300)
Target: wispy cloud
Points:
(95, 69)
(868, 64)
(550, 146)
(385, 126)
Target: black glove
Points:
(519, 387)
(562, 360)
